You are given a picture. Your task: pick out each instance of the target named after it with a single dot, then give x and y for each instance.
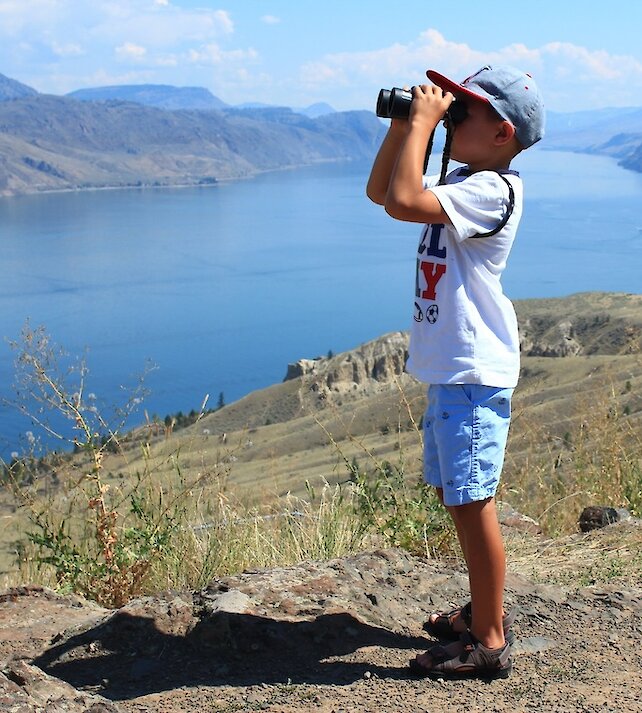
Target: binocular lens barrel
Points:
(395, 104)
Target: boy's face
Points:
(475, 138)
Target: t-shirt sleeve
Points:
(474, 205)
(430, 181)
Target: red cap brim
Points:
(453, 87)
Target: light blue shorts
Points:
(465, 432)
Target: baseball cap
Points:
(513, 94)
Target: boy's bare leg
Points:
(481, 542)
(484, 553)
(458, 623)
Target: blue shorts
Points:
(465, 432)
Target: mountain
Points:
(615, 132)
(135, 135)
(316, 110)
(165, 96)
(161, 96)
(633, 159)
(313, 111)
(51, 143)
(11, 89)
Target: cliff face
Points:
(372, 365)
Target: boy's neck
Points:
(502, 165)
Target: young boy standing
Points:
(464, 341)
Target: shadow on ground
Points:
(127, 657)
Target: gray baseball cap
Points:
(513, 94)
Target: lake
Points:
(221, 287)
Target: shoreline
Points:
(147, 186)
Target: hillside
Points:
(11, 89)
(612, 132)
(158, 135)
(161, 96)
(581, 362)
(362, 405)
(56, 143)
(336, 634)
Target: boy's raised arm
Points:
(406, 198)
(384, 162)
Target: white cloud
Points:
(131, 51)
(212, 54)
(146, 21)
(41, 40)
(571, 77)
(167, 41)
(70, 49)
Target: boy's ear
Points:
(505, 133)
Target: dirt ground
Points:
(331, 637)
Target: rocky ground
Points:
(328, 637)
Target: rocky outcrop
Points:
(327, 636)
(372, 368)
(580, 325)
(379, 361)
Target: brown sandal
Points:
(473, 660)
(442, 627)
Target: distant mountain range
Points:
(613, 132)
(158, 135)
(161, 96)
(164, 96)
(140, 135)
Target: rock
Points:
(509, 517)
(27, 689)
(540, 337)
(594, 517)
(303, 367)
(375, 364)
(329, 635)
(534, 645)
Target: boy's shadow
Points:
(127, 657)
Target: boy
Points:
(464, 341)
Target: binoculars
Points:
(395, 104)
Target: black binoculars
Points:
(395, 104)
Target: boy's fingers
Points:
(434, 90)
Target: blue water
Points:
(221, 287)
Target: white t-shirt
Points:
(465, 328)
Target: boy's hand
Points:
(399, 126)
(429, 104)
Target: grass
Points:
(609, 556)
(591, 457)
(131, 514)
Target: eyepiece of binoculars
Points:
(395, 104)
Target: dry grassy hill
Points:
(361, 402)
(580, 393)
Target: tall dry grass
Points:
(593, 457)
(111, 539)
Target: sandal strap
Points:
(476, 658)
(507, 621)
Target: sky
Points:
(583, 55)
